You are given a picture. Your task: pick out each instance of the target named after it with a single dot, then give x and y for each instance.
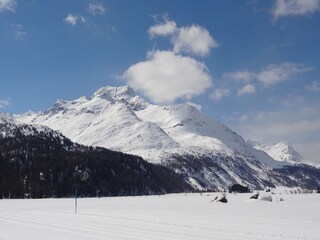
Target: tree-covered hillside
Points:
(42, 163)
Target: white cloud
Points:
(4, 103)
(220, 93)
(163, 29)
(165, 77)
(314, 87)
(20, 34)
(284, 8)
(7, 5)
(247, 89)
(73, 19)
(274, 74)
(243, 76)
(193, 39)
(19, 30)
(269, 75)
(96, 9)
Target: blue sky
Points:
(251, 64)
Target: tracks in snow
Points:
(101, 226)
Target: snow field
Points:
(175, 216)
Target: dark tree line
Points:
(238, 188)
(47, 165)
(304, 176)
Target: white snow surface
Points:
(176, 216)
(118, 119)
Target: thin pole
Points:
(76, 202)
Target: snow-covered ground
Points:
(177, 216)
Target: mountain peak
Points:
(282, 151)
(123, 94)
(288, 152)
(115, 93)
(284, 144)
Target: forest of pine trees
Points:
(45, 165)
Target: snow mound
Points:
(265, 198)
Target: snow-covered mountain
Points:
(281, 151)
(106, 119)
(207, 153)
(116, 118)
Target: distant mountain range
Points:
(207, 154)
(281, 151)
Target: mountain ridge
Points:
(206, 152)
(137, 110)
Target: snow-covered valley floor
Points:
(176, 216)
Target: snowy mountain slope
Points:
(104, 120)
(206, 152)
(11, 128)
(281, 151)
(116, 118)
(188, 126)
